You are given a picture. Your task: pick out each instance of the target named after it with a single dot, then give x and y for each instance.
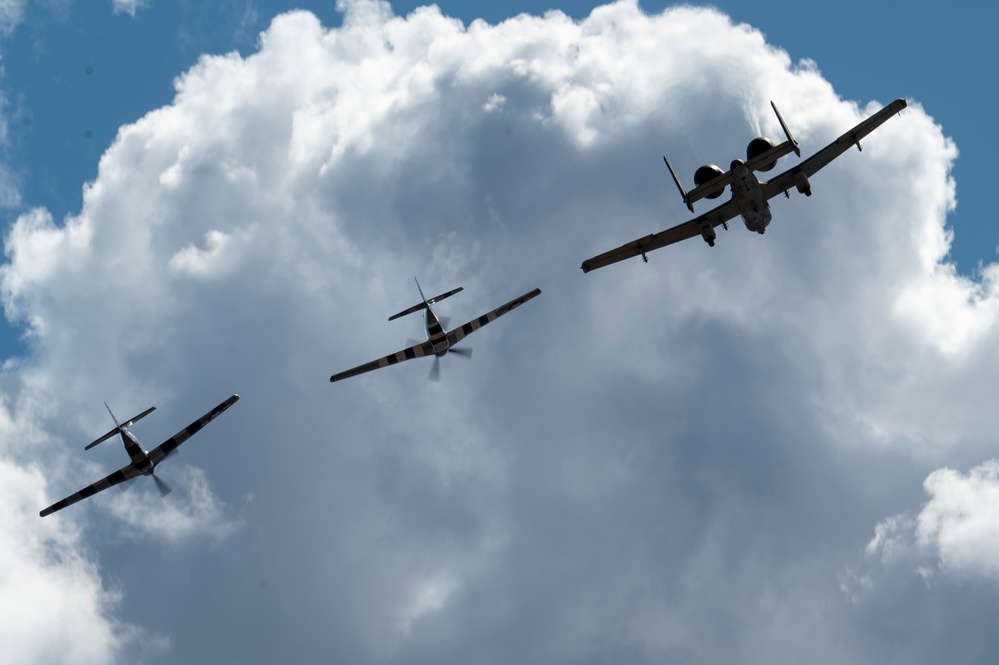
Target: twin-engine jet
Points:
(439, 342)
(143, 463)
(750, 196)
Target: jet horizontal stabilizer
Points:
(423, 305)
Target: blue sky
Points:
(74, 74)
(778, 450)
(867, 51)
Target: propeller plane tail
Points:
(119, 427)
(425, 303)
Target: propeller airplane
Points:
(143, 463)
(440, 342)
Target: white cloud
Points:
(11, 14)
(174, 518)
(955, 532)
(127, 6)
(891, 537)
(428, 595)
(203, 262)
(53, 606)
(666, 460)
(961, 519)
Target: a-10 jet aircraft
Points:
(143, 463)
(750, 196)
(439, 342)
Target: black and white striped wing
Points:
(416, 351)
(119, 476)
(464, 331)
(157, 454)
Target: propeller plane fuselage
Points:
(436, 334)
(138, 454)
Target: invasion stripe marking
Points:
(160, 452)
(117, 477)
(439, 339)
(145, 464)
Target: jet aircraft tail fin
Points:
(767, 159)
(119, 427)
(683, 194)
(787, 132)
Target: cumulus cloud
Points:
(53, 605)
(955, 531)
(960, 519)
(653, 462)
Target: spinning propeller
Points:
(435, 369)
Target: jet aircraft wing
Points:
(415, 351)
(785, 181)
(159, 453)
(119, 476)
(464, 331)
(712, 218)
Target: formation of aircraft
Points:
(750, 199)
(440, 342)
(143, 463)
(750, 196)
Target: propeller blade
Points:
(435, 369)
(463, 352)
(125, 485)
(161, 486)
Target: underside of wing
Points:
(786, 180)
(415, 351)
(157, 454)
(693, 228)
(119, 476)
(464, 331)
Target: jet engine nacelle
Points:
(757, 147)
(706, 174)
(802, 184)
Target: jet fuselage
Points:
(750, 198)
